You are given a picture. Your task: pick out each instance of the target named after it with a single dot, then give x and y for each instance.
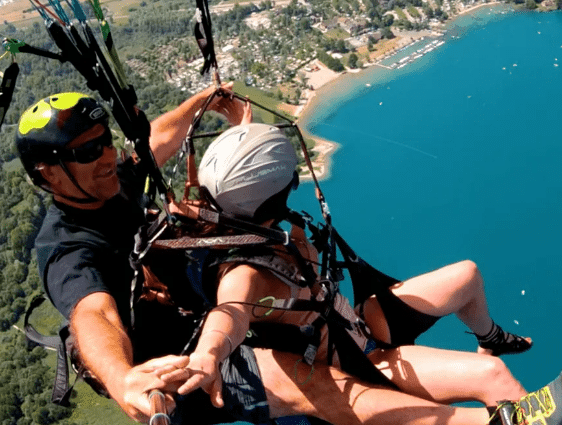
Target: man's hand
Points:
(199, 370)
(234, 110)
(138, 383)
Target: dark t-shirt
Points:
(80, 252)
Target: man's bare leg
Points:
(341, 399)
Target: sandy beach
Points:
(321, 76)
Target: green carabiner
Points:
(269, 298)
(12, 45)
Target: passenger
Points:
(249, 172)
(401, 313)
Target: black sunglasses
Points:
(88, 152)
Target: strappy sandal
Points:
(502, 342)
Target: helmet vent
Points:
(97, 113)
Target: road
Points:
(226, 6)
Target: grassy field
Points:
(337, 33)
(20, 12)
(261, 98)
(119, 9)
(93, 409)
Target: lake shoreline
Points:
(328, 85)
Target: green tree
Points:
(258, 68)
(22, 237)
(387, 33)
(428, 11)
(352, 60)
(25, 381)
(340, 46)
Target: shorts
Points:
(405, 323)
(242, 387)
(243, 393)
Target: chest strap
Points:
(186, 242)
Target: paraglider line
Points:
(393, 142)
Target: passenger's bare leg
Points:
(340, 399)
(457, 288)
(446, 376)
(454, 289)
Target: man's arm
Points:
(169, 130)
(107, 352)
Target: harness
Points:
(203, 254)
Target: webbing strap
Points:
(7, 89)
(187, 242)
(32, 334)
(204, 37)
(61, 391)
(352, 359)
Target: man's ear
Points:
(48, 173)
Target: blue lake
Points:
(457, 156)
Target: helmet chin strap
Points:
(89, 200)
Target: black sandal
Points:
(502, 342)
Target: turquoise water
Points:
(457, 156)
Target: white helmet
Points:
(246, 165)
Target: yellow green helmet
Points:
(52, 123)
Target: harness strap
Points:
(61, 390)
(286, 272)
(32, 334)
(186, 242)
(314, 332)
(295, 304)
(366, 280)
(352, 359)
(194, 272)
(143, 240)
(7, 89)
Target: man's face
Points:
(98, 177)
